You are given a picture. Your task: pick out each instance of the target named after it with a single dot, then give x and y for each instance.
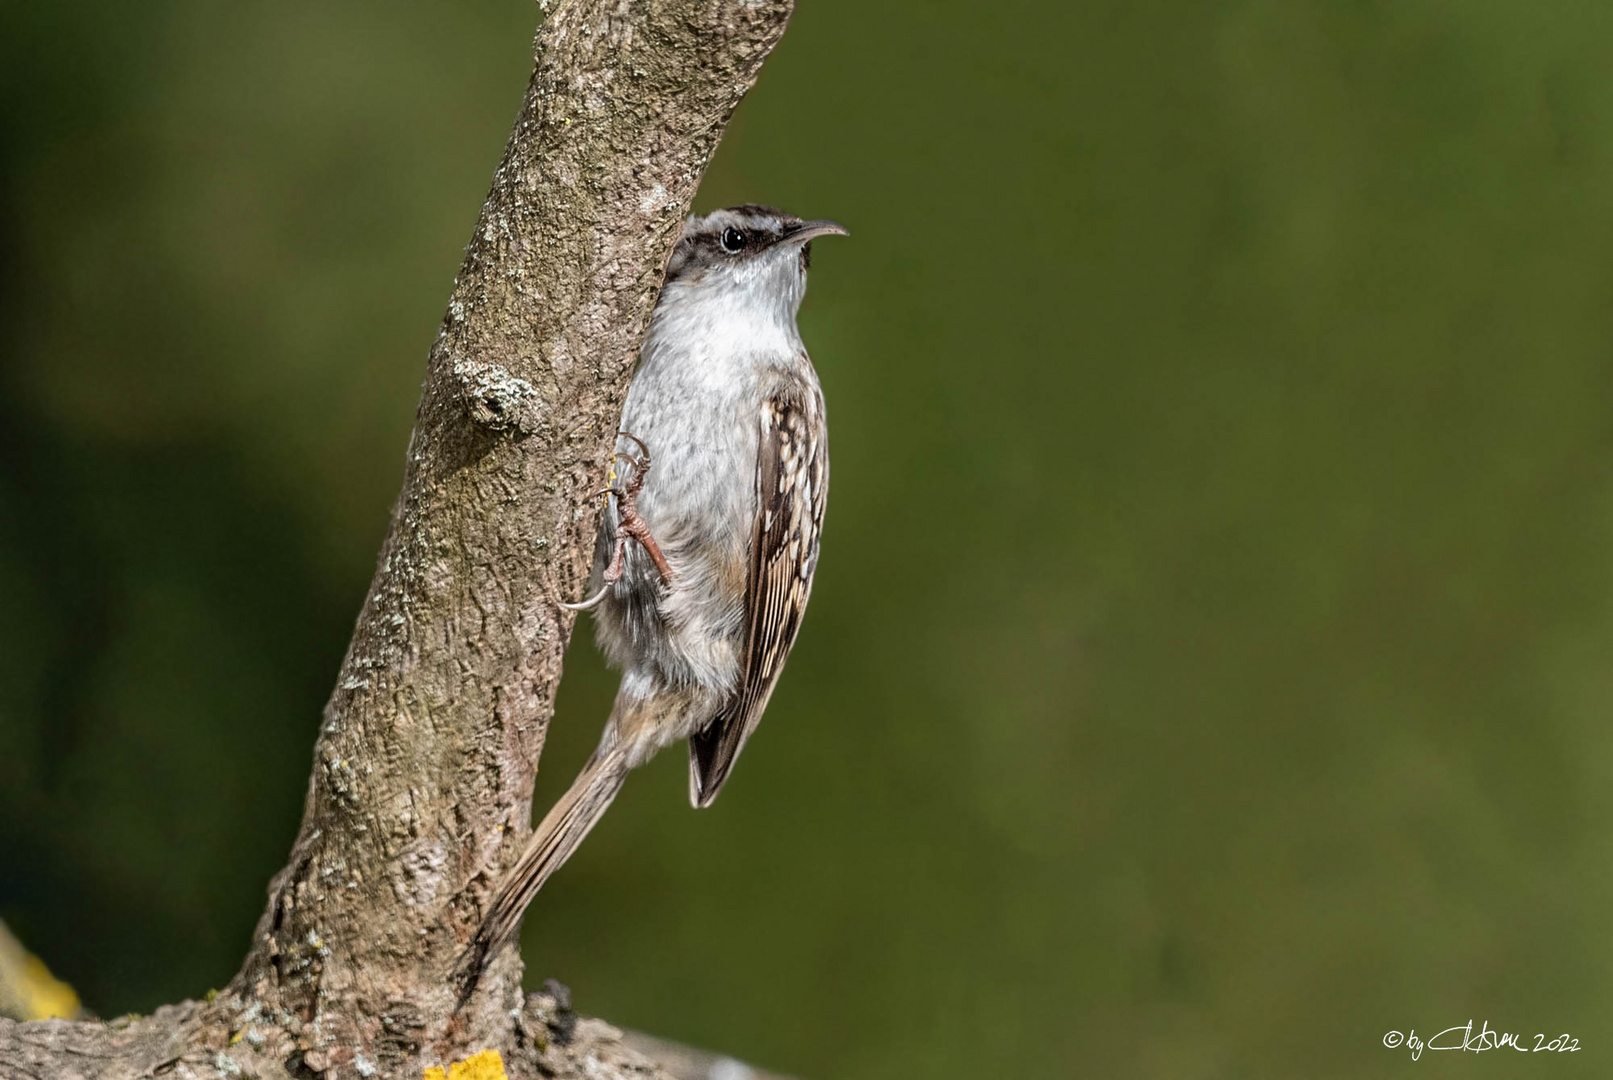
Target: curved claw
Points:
(642, 449)
(636, 462)
(588, 604)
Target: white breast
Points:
(695, 401)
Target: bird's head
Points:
(749, 253)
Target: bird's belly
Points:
(699, 502)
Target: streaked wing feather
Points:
(792, 481)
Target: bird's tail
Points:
(556, 837)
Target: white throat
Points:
(731, 311)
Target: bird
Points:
(706, 551)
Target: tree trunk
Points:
(423, 770)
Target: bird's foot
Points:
(630, 526)
(639, 461)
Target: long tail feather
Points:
(556, 837)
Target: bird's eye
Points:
(732, 240)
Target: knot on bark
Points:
(498, 400)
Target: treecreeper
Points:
(709, 536)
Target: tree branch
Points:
(423, 770)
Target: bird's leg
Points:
(631, 526)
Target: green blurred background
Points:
(1209, 665)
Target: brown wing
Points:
(792, 484)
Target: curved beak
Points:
(807, 230)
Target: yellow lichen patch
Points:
(28, 991)
(48, 997)
(485, 1065)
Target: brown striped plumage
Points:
(792, 489)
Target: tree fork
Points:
(423, 770)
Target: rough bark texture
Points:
(423, 771)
